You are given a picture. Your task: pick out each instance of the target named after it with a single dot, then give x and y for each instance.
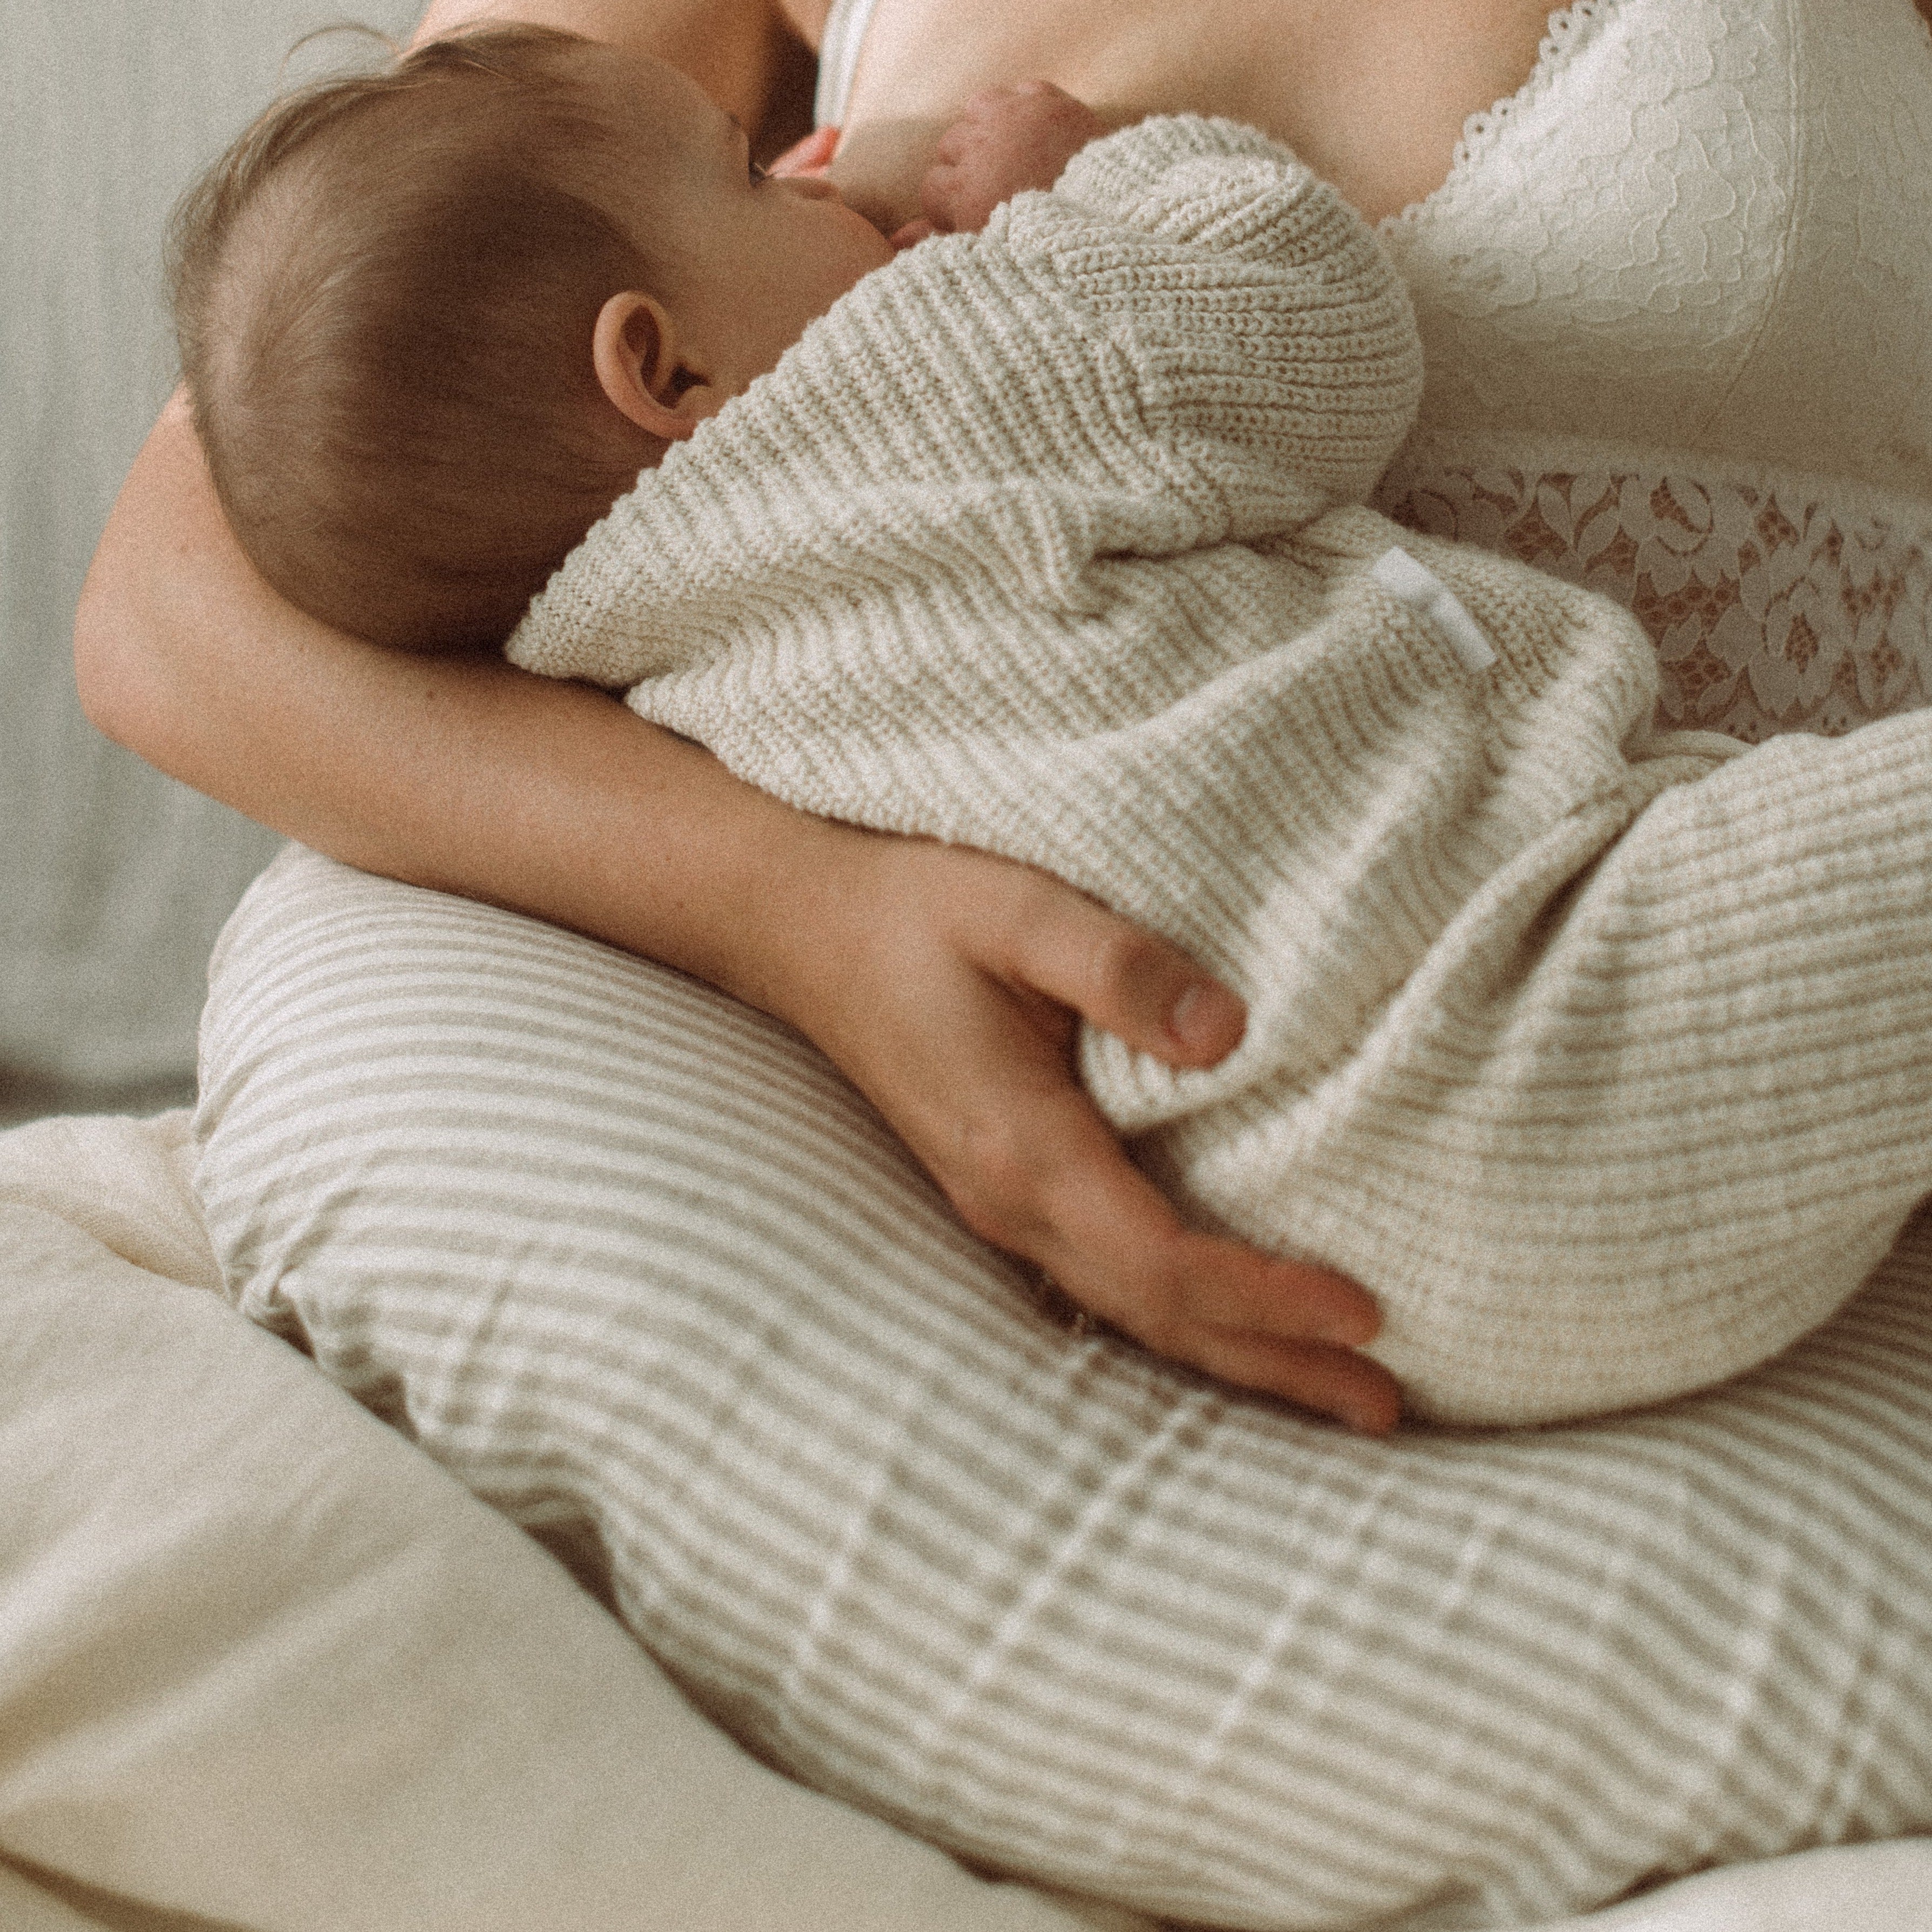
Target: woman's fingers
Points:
(1161, 1274)
(952, 995)
(1050, 1182)
(810, 156)
(1335, 1382)
(1119, 977)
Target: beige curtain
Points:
(113, 880)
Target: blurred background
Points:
(114, 879)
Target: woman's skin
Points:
(946, 985)
(1372, 94)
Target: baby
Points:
(1049, 539)
(414, 325)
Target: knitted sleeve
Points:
(1265, 316)
(1190, 341)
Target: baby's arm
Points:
(1248, 280)
(1270, 323)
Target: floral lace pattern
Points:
(1676, 300)
(1771, 609)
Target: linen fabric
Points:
(1604, 1063)
(637, 1266)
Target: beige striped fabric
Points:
(634, 1263)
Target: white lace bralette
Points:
(1675, 299)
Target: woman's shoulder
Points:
(725, 46)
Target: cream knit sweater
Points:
(1605, 1061)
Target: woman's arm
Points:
(465, 775)
(943, 982)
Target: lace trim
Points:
(1563, 33)
(1773, 608)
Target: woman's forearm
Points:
(466, 775)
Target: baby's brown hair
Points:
(384, 293)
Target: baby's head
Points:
(434, 321)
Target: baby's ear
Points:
(634, 348)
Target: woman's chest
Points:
(1372, 93)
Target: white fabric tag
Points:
(1421, 589)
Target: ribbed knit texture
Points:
(1604, 1062)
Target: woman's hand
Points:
(949, 986)
(944, 983)
(1005, 140)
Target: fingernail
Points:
(1204, 1015)
(1351, 1331)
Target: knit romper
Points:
(1604, 1060)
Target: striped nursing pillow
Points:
(635, 1264)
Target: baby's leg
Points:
(1643, 1118)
